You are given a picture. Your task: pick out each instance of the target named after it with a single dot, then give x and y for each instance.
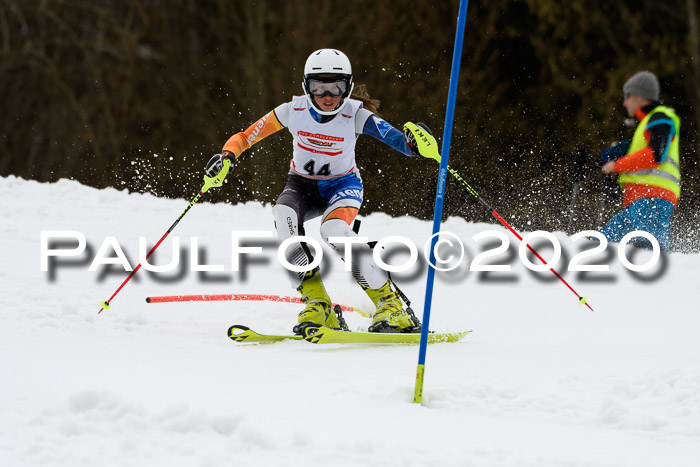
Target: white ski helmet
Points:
(328, 66)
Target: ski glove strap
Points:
(216, 170)
(421, 140)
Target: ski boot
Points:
(319, 309)
(391, 315)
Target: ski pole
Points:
(579, 159)
(601, 208)
(209, 182)
(571, 208)
(581, 300)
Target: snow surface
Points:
(540, 382)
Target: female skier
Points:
(324, 181)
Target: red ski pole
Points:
(581, 300)
(209, 182)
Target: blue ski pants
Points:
(651, 215)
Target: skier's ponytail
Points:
(360, 93)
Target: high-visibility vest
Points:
(668, 174)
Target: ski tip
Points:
(237, 332)
(237, 329)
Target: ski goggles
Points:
(334, 88)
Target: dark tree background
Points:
(138, 94)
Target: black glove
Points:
(216, 163)
(411, 140)
(615, 150)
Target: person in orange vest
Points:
(649, 173)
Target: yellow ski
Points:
(240, 333)
(324, 335)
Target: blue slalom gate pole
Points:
(440, 195)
